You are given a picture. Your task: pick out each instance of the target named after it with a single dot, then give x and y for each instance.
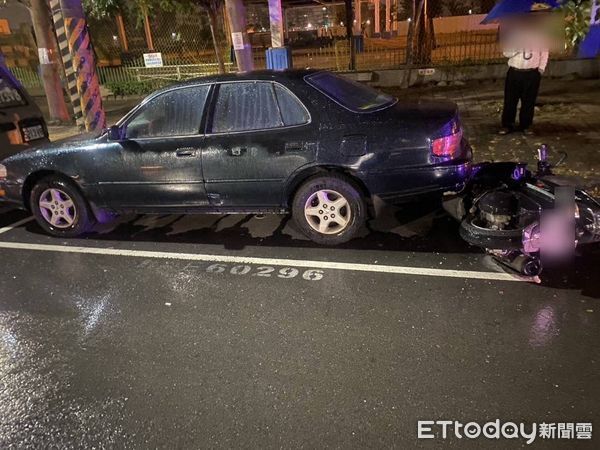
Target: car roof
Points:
(255, 75)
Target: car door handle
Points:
(185, 152)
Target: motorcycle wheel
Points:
(480, 236)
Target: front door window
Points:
(171, 114)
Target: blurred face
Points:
(534, 31)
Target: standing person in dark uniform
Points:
(522, 83)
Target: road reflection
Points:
(544, 327)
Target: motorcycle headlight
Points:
(3, 172)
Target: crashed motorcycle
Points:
(519, 216)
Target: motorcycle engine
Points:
(498, 209)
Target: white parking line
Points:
(16, 225)
(399, 270)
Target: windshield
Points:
(350, 94)
(9, 94)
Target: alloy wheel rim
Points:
(57, 208)
(328, 212)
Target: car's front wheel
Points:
(329, 209)
(59, 208)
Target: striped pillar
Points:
(65, 54)
(81, 68)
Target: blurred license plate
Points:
(33, 133)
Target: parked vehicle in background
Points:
(308, 142)
(21, 121)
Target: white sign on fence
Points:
(153, 59)
(426, 72)
(238, 41)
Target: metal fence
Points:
(27, 76)
(448, 49)
(184, 41)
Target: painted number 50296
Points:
(266, 271)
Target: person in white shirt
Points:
(522, 83)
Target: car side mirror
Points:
(114, 133)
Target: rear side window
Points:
(350, 94)
(173, 113)
(9, 94)
(246, 106)
(292, 111)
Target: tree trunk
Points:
(423, 48)
(349, 33)
(415, 34)
(212, 18)
(50, 65)
(84, 64)
(431, 31)
(237, 19)
(122, 33)
(388, 16)
(147, 29)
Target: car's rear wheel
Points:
(59, 207)
(329, 209)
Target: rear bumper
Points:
(400, 185)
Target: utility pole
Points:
(50, 66)
(84, 64)
(279, 57)
(241, 42)
(276, 22)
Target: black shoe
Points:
(528, 132)
(504, 131)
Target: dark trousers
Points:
(520, 85)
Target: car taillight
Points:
(447, 145)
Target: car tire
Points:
(329, 209)
(59, 207)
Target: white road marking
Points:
(399, 270)
(16, 225)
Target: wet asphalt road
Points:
(121, 346)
